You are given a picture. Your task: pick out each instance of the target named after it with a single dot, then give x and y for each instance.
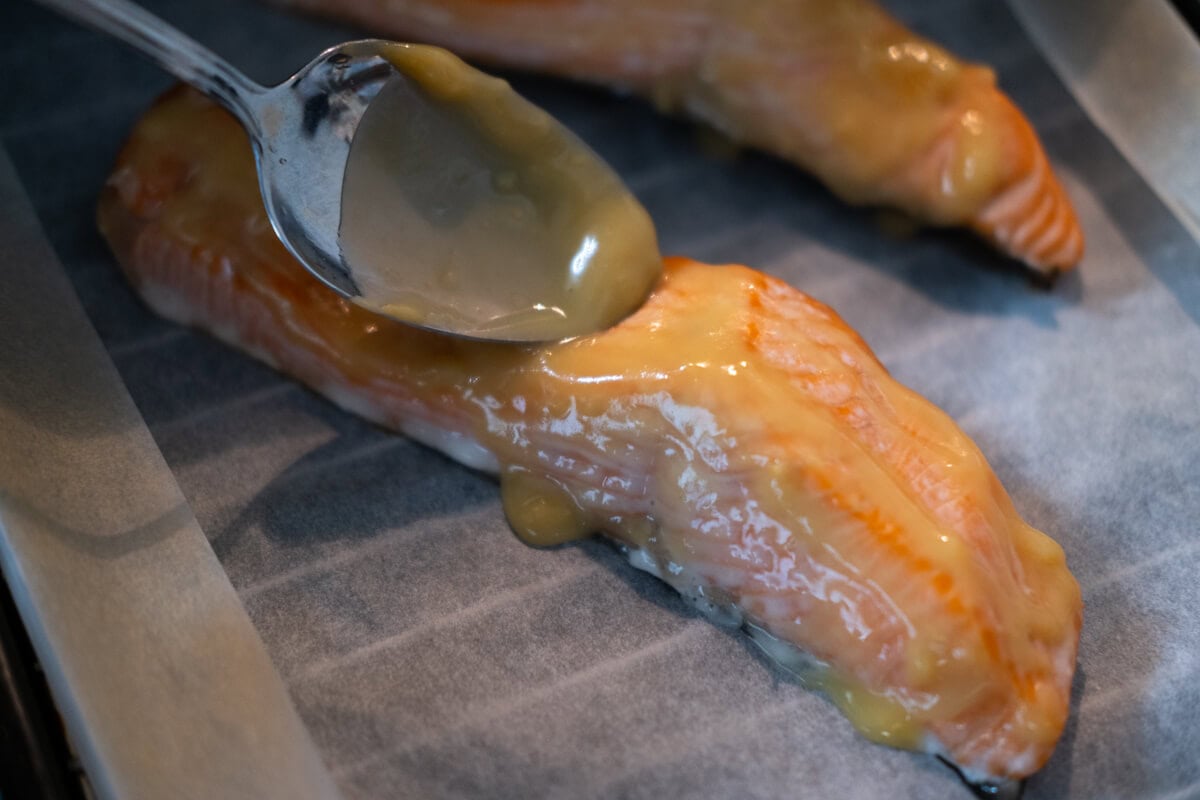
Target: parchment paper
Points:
(163, 685)
(433, 655)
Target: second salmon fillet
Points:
(839, 87)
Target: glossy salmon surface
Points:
(879, 114)
(734, 435)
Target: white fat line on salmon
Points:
(456, 445)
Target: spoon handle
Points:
(175, 52)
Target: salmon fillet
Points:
(735, 436)
(838, 87)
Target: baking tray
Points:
(430, 654)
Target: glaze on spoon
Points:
(466, 208)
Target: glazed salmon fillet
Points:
(839, 87)
(735, 436)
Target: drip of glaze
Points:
(541, 512)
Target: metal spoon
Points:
(465, 209)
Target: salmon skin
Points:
(735, 436)
(838, 87)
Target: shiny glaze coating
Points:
(882, 116)
(734, 432)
